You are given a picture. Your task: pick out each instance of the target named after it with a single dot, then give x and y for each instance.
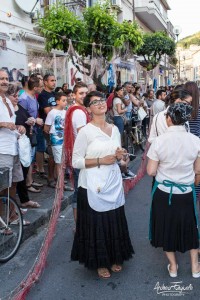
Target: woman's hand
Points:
(39, 121)
(30, 121)
(107, 160)
(10, 125)
(21, 129)
(119, 153)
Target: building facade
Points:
(188, 64)
(22, 49)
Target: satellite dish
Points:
(26, 6)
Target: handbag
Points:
(141, 114)
(110, 116)
(24, 150)
(33, 137)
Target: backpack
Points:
(109, 114)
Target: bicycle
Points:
(133, 136)
(11, 229)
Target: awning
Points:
(125, 65)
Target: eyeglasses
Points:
(14, 95)
(97, 102)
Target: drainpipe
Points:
(133, 9)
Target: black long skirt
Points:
(101, 238)
(174, 227)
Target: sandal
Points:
(32, 189)
(42, 174)
(30, 204)
(6, 231)
(51, 184)
(116, 268)
(103, 273)
(37, 184)
(16, 222)
(68, 188)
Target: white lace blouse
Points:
(104, 184)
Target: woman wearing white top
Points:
(159, 123)
(174, 158)
(119, 108)
(102, 239)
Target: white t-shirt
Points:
(56, 119)
(115, 102)
(158, 106)
(158, 126)
(78, 120)
(176, 150)
(130, 106)
(92, 142)
(8, 138)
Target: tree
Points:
(129, 38)
(58, 26)
(154, 47)
(97, 34)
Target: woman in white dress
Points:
(102, 239)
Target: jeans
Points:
(119, 122)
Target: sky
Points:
(186, 15)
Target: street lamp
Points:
(177, 30)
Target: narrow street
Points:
(66, 280)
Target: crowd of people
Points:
(85, 125)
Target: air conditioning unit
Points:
(116, 4)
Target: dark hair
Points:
(33, 82)
(57, 89)
(117, 89)
(137, 87)
(86, 100)
(59, 95)
(179, 86)
(13, 88)
(46, 76)
(68, 91)
(159, 93)
(192, 87)
(126, 83)
(24, 80)
(150, 91)
(145, 95)
(78, 86)
(179, 93)
(64, 84)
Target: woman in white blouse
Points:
(174, 158)
(102, 239)
(119, 108)
(159, 123)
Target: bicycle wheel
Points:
(142, 140)
(129, 145)
(10, 231)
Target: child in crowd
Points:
(54, 125)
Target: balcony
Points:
(152, 13)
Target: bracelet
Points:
(98, 164)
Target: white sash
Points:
(104, 188)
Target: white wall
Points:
(17, 22)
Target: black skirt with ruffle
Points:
(174, 227)
(101, 238)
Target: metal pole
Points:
(133, 8)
